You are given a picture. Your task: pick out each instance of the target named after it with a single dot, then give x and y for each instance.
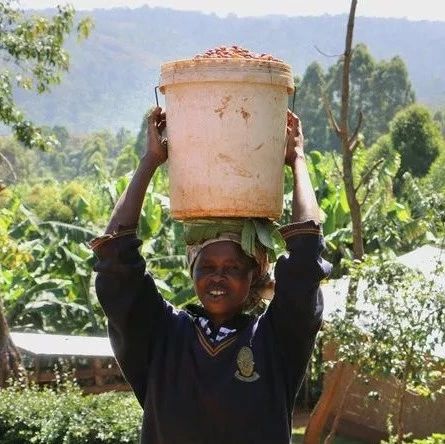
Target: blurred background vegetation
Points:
(55, 197)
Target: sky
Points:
(410, 9)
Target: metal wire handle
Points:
(156, 95)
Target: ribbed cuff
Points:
(120, 232)
(300, 228)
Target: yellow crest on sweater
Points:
(246, 366)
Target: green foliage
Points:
(96, 156)
(412, 218)
(436, 176)
(65, 415)
(253, 231)
(378, 89)
(33, 55)
(127, 161)
(439, 119)
(141, 140)
(417, 138)
(435, 438)
(51, 287)
(394, 328)
(400, 318)
(50, 291)
(309, 106)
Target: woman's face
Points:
(222, 275)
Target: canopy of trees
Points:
(33, 59)
(377, 89)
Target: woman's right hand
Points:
(156, 144)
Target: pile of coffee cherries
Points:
(234, 52)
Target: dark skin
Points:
(223, 274)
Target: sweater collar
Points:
(238, 322)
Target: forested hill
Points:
(114, 72)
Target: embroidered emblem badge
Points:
(246, 366)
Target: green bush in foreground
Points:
(66, 416)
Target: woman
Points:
(214, 374)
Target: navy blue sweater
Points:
(193, 391)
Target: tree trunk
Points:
(401, 405)
(347, 145)
(320, 414)
(330, 438)
(317, 421)
(354, 206)
(10, 361)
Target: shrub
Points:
(65, 416)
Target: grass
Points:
(297, 438)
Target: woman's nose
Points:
(218, 274)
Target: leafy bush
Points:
(65, 416)
(435, 438)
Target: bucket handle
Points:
(156, 95)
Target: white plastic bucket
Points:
(226, 124)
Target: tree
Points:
(310, 106)
(349, 144)
(417, 138)
(34, 58)
(141, 140)
(435, 175)
(127, 161)
(439, 118)
(394, 333)
(378, 88)
(395, 93)
(31, 49)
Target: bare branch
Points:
(331, 118)
(327, 55)
(353, 146)
(8, 163)
(354, 136)
(345, 76)
(365, 178)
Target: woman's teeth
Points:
(217, 292)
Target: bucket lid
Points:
(227, 69)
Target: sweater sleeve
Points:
(135, 310)
(296, 309)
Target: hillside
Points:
(114, 72)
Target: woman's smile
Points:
(222, 276)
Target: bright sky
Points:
(413, 10)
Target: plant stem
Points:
(401, 403)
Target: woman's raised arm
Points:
(304, 203)
(128, 208)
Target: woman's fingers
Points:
(161, 126)
(157, 120)
(293, 124)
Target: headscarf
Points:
(257, 238)
(260, 254)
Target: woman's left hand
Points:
(295, 139)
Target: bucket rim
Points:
(225, 60)
(234, 69)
